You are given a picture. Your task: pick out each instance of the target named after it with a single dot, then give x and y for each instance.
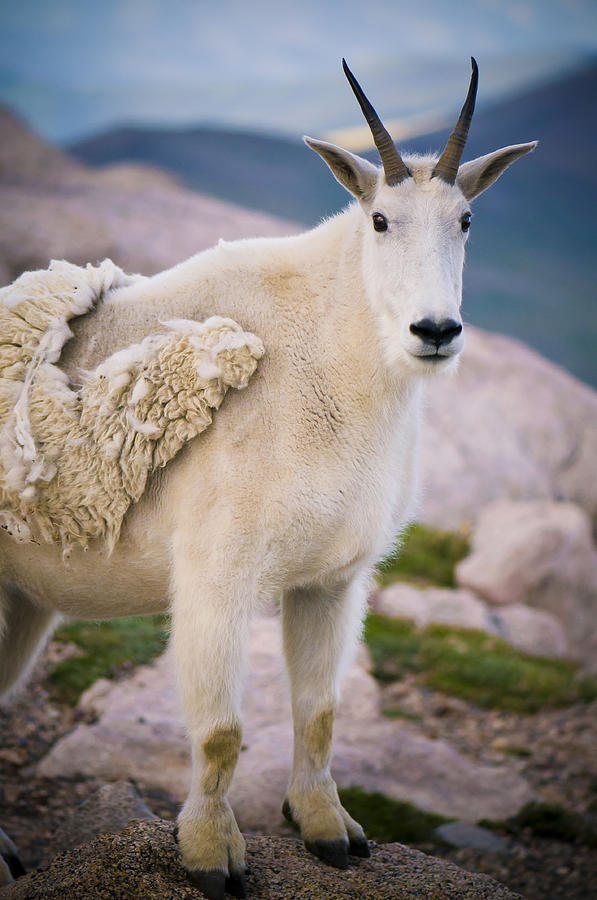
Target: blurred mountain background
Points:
(219, 96)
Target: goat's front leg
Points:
(210, 638)
(320, 632)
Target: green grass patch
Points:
(386, 820)
(515, 750)
(550, 820)
(474, 666)
(425, 556)
(107, 647)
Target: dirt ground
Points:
(555, 750)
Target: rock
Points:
(461, 834)
(40, 225)
(530, 630)
(434, 606)
(109, 810)
(52, 206)
(509, 424)
(139, 735)
(542, 554)
(142, 863)
(24, 158)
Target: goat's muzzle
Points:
(436, 334)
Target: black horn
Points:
(447, 164)
(393, 166)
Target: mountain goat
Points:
(298, 487)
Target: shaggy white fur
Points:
(72, 462)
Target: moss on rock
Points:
(473, 665)
(424, 555)
(387, 820)
(107, 646)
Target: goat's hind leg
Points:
(320, 632)
(10, 864)
(23, 626)
(210, 624)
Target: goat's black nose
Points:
(437, 333)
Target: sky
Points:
(76, 67)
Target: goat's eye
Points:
(380, 223)
(465, 222)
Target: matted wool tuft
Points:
(72, 461)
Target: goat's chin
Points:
(402, 359)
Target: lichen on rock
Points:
(143, 861)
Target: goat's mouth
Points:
(434, 360)
(435, 357)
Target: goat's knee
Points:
(318, 737)
(220, 751)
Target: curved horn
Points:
(394, 169)
(447, 165)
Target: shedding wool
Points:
(72, 461)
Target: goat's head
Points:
(416, 216)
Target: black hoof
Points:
(236, 884)
(211, 881)
(9, 854)
(334, 853)
(15, 866)
(287, 812)
(359, 847)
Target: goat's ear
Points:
(476, 176)
(354, 173)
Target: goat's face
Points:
(415, 218)
(414, 235)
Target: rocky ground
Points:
(552, 749)
(141, 863)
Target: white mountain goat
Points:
(299, 486)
